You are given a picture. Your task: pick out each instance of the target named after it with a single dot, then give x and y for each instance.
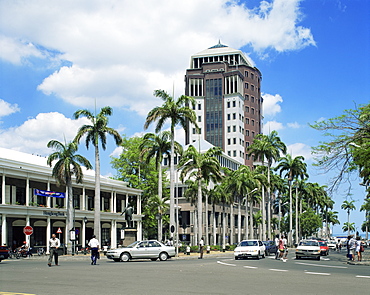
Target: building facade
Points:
(227, 89)
(20, 205)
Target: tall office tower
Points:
(227, 89)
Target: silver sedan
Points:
(150, 249)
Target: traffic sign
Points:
(59, 231)
(28, 230)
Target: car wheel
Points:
(258, 256)
(236, 257)
(153, 259)
(163, 256)
(267, 253)
(116, 260)
(125, 257)
(297, 257)
(318, 258)
(263, 255)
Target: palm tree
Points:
(366, 207)
(201, 167)
(155, 146)
(94, 133)
(348, 227)
(267, 147)
(332, 218)
(240, 184)
(349, 206)
(158, 205)
(67, 165)
(294, 168)
(177, 112)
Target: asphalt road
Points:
(216, 274)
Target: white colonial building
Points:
(21, 174)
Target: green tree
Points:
(131, 169)
(177, 112)
(310, 222)
(267, 147)
(67, 165)
(348, 146)
(94, 133)
(293, 168)
(332, 218)
(366, 207)
(348, 227)
(240, 184)
(348, 206)
(202, 167)
(155, 147)
(157, 207)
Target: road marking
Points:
(12, 293)
(321, 265)
(223, 263)
(253, 267)
(274, 269)
(366, 277)
(318, 273)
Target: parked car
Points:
(250, 248)
(308, 249)
(4, 253)
(149, 249)
(332, 245)
(270, 247)
(324, 248)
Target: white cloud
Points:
(7, 108)
(294, 125)
(17, 51)
(271, 104)
(34, 134)
(271, 126)
(300, 149)
(121, 51)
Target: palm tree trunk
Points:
(296, 214)
(160, 198)
(263, 211)
(200, 221)
(69, 214)
(206, 221)
(251, 231)
(195, 226)
(239, 220)
(172, 183)
(290, 214)
(214, 225)
(268, 202)
(246, 219)
(223, 228)
(97, 195)
(232, 222)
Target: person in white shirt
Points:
(54, 244)
(94, 247)
(201, 247)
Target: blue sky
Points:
(60, 56)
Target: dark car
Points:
(4, 253)
(270, 247)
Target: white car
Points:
(150, 249)
(332, 245)
(250, 248)
(308, 249)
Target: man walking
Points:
(94, 247)
(201, 247)
(54, 244)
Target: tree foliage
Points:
(348, 146)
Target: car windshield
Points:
(133, 244)
(322, 243)
(308, 243)
(248, 243)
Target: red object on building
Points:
(28, 230)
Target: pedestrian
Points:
(94, 247)
(358, 249)
(352, 248)
(277, 246)
(201, 247)
(54, 244)
(281, 248)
